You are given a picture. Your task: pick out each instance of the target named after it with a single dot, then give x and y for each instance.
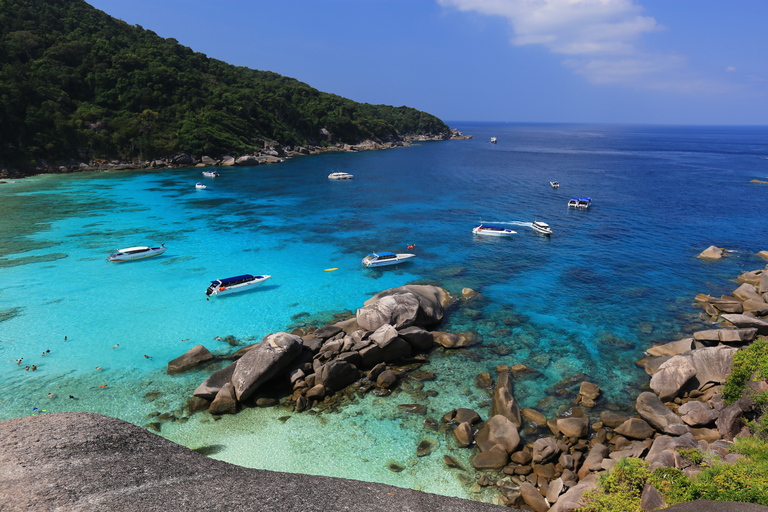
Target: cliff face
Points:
(89, 462)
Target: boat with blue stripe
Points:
(234, 284)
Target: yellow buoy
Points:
(331, 269)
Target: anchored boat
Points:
(489, 230)
(380, 259)
(234, 284)
(210, 174)
(541, 227)
(136, 253)
(340, 176)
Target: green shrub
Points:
(620, 490)
(748, 361)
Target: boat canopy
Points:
(231, 280)
(382, 255)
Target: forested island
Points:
(77, 85)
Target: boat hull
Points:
(123, 257)
(235, 288)
(543, 230)
(493, 232)
(383, 263)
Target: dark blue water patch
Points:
(7, 314)
(31, 260)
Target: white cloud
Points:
(601, 38)
(730, 69)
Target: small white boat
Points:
(136, 253)
(379, 259)
(210, 174)
(200, 186)
(339, 176)
(234, 284)
(488, 230)
(554, 184)
(584, 203)
(493, 140)
(573, 203)
(541, 227)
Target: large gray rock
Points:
(711, 253)
(419, 305)
(86, 462)
(573, 426)
(384, 335)
(504, 402)
(225, 402)
(373, 354)
(571, 501)
(336, 375)
(672, 376)
(193, 357)
(274, 353)
(652, 410)
(594, 460)
(744, 321)
(663, 443)
(213, 384)
(671, 349)
(726, 335)
(712, 364)
(746, 292)
(545, 449)
(498, 430)
(419, 339)
(697, 414)
(635, 428)
(533, 498)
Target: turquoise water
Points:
(610, 281)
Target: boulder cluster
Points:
(685, 411)
(344, 359)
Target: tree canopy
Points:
(76, 83)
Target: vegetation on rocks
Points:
(78, 84)
(745, 480)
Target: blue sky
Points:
(583, 61)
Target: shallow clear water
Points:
(610, 281)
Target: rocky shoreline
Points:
(535, 462)
(270, 154)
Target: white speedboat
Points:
(200, 186)
(584, 203)
(379, 259)
(210, 174)
(234, 284)
(339, 176)
(541, 227)
(493, 140)
(554, 184)
(573, 203)
(488, 230)
(136, 253)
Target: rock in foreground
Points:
(89, 462)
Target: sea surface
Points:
(582, 304)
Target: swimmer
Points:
(185, 339)
(27, 368)
(98, 367)
(70, 396)
(51, 395)
(48, 351)
(19, 361)
(147, 357)
(65, 338)
(116, 345)
(99, 387)
(34, 367)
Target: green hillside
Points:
(78, 84)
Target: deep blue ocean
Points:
(583, 304)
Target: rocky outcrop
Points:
(195, 356)
(712, 253)
(273, 354)
(419, 305)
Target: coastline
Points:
(270, 154)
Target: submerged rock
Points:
(195, 356)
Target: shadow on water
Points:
(211, 449)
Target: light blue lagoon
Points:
(584, 303)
